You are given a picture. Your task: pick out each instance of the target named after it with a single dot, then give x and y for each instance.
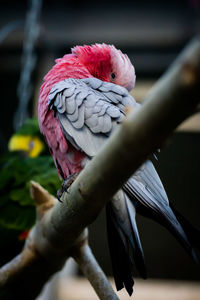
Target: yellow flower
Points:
(30, 144)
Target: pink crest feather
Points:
(96, 58)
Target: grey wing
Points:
(147, 177)
(89, 110)
(146, 187)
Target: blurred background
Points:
(152, 33)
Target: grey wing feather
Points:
(69, 91)
(92, 121)
(80, 121)
(82, 138)
(94, 83)
(106, 124)
(70, 104)
(104, 107)
(113, 111)
(74, 116)
(145, 186)
(89, 110)
(148, 177)
(112, 97)
(97, 108)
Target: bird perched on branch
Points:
(82, 101)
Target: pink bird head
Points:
(107, 63)
(102, 61)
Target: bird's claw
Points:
(65, 185)
(59, 195)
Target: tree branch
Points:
(59, 230)
(90, 268)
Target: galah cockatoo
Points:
(82, 101)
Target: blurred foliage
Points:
(17, 169)
(30, 127)
(27, 139)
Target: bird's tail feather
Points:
(124, 243)
(146, 189)
(178, 230)
(121, 264)
(193, 234)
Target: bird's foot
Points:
(66, 184)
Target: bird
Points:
(82, 101)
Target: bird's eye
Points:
(113, 75)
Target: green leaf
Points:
(17, 217)
(17, 208)
(50, 178)
(22, 196)
(30, 127)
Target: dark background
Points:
(152, 33)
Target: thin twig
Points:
(92, 271)
(12, 269)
